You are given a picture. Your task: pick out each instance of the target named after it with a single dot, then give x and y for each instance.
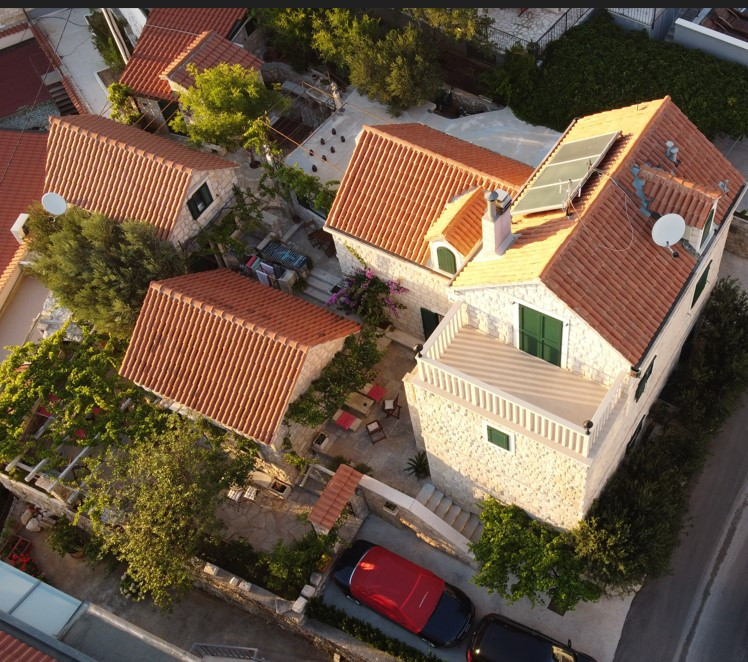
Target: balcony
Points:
(536, 397)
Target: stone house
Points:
(220, 344)
(563, 318)
(129, 174)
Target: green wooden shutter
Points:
(446, 260)
(707, 230)
(540, 335)
(430, 321)
(643, 381)
(700, 285)
(501, 439)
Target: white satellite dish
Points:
(54, 203)
(668, 230)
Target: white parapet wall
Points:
(692, 35)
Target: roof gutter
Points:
(636, 368)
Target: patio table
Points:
(359, 402)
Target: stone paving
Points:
(530, 25)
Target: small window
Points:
(700, 285)
(390, 507)
(446, 260)
(707, 232)
(643, 381)
(499, 438)
(199, 201)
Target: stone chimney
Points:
(496, 224)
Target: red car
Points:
(404, 592)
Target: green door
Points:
(540, 335)
(430, 321)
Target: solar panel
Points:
(565, 174)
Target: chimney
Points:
(496, 224)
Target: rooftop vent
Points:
(671, 152)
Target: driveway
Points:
(599, 641)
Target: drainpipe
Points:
(119, 40)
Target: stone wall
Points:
(737, 239)
(427, 289)
(220, 183)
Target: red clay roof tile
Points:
(167, 33)
(124, 172)
(227, 347)
(15, 650)
(335, 496)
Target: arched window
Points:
(446, 260)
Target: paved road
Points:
(667, 609)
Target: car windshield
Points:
(561, 655)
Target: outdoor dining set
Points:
(364, 402)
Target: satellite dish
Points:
(54, 203)
(668, 230)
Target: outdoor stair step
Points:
(325, 277)
(426, 491)
(461, 520)
(452, 514)
(316, 293)
(472, 525)
(477, 533)
(443, 507)
(434, 500)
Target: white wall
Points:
(710, 41)
(135, 19)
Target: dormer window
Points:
(199, 201)
(446, 260)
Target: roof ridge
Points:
(437, 155)
(181, 57)
(670, 179)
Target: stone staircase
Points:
(465, 523)
(319, 285)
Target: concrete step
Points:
(325, 277)
(461, 521)
(477, 533)
(471, 527)
(444, 505)
(316, 293)
(452, 514)
(434, 501)
(425, 494)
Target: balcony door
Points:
(430, 321)
(540, 335)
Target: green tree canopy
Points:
(521, 557)
(280, 180)
(152, 502)
(98, 268)
(464, 24)
(290, 33)
(223, 103)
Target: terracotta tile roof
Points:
(335, 496)
(670, 194)
(606, 266)
(167, 33)
(205, 52)
(22, 157)
(400, 178)
(17, 651)
(124, 172)
(227, 347)
(460, 222)
(21, 69)
(19, 27)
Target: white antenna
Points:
(668, 230)
(54, 203)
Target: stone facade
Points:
(427, 289)
(220, 182)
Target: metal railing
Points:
(644, 15)
(505, 40)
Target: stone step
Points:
(434, 501)
(471, 527)
(452, 514)
(477, 533)
(325, 277)
(444, 505)
(461, 521)
(316, 293)
(426, 491)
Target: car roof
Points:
(502, 642)
(397, 588)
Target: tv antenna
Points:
(54, 203)
(668, 230)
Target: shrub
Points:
(66, 538)
(124, 107)
(365, 294)
(418, 465)
(104, 42)
(365, 632)
(288, 567)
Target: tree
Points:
(222, 104)
(289, 31)
(466, 24)
(520, 557)
(152, 503)
(339, 36)
(124, 107)
(98, 268)
(279, 180)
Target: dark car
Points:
(404, 592)
(500, 639)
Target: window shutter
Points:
(499, 438)
(192, 206)
(446, 260)
(707, 231)
(700, 285)
(540, 335)
(643, 381)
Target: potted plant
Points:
(66, 538)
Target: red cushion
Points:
(345, 420)
(376, 392)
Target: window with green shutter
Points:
(700, 285)
(499, 438)
(199, 201)
(643, 381)
(707, 230)
(540, 335)
(446, 260)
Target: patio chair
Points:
(250, 493)
(346, 420)
(376, 431)
(235, 493)
(391, 407)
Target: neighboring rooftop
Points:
(600, 260)
(105, 166)
(22, 68)
(402, 176)
(227, 347)
(205, 52)
(168, 32)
